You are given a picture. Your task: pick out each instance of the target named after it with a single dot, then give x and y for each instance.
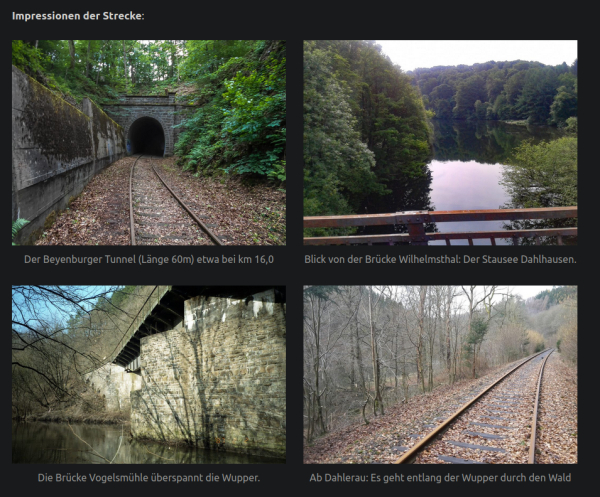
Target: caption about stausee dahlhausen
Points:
(437, 259)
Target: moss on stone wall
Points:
(59, 129)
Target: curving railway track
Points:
(158, 216)
(496, 426)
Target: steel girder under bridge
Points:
(164, 310)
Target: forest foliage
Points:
(510, 90)
(60, 333)
(367, 348)
(238, 86)
(543, 175)
(241, 124)
(364, 125)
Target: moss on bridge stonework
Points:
(219, 381)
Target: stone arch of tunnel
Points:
(146, 136)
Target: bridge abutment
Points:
(115, 384)
(219, 379)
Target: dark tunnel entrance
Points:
(146, 136)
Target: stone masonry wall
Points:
(162, 108)
(56, 150)
(116, 385)
(133, 108)
(219, 381)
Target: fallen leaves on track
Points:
(557, 423)
(244, 212)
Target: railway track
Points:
(496, 426)
(158, 216)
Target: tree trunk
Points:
(72, 52)
(421, 319)
(375, 359)
(172, 67)
(359, 364)
(124, 61)
(87, 62)
(448, 343)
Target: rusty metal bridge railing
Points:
(416, 220)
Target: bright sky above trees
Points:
(411, 54)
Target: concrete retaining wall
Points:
(56, 150)
(219, 381)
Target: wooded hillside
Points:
(516, 89)
(239, 87)
(367, 348)
(364, 125)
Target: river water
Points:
(464, 174)
(56, 443)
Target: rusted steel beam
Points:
(348, 221)
(411, 217)
(416, 230)
(127, 353)
(406, 238)
(503, 214)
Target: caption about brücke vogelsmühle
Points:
(145, 478)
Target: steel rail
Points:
(535, 412)
(214, 237)
(132, 226)
(410, 454)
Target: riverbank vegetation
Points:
(59, 335)
(510, 90)
(237, 89)
(368, 348)
(364, 125)
(543, 175)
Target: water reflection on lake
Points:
(56, 443)
(480, 189)
(464, 174)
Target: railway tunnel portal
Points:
(146, 136)
(149, 121)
